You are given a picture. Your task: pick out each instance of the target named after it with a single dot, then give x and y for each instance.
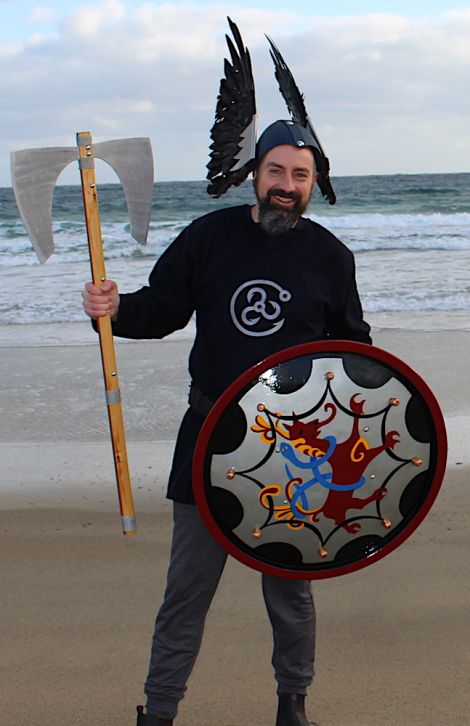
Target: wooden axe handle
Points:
(108, 355)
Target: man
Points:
(259, 279)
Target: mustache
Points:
(278, 192)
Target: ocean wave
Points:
(448, 243)
(394, 221)
(18, 315)
(410, 234)
(361, 232)
(402, 303)
(70, 243)
(375, 232)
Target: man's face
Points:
(283, 184)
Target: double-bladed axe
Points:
(34, 175)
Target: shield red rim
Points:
(319, 347)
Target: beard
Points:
(277, 220)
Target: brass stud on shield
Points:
(329, 375)
(386, 523)
(394, 401)
(323, 552)
(256, 534)
(231, 473)
(416, 461)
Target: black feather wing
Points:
(233, 134)
(296, 106)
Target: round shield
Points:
(319, 460)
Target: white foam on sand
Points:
(81, 333)
(69, 333)
(430, 321)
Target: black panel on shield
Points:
(358, 548)
(414, 494)
(229, 432)
(290, 376)
(365, 371)
(279, 552)
(228, 507)
(417, 420)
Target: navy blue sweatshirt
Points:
(253, 294)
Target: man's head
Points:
(284, 177)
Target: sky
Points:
(386, 84)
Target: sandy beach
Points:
(78, 599)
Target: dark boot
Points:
(144, 719)
(291, 710)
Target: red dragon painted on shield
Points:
(348, 461)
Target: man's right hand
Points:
(102, 300)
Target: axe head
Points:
(35, 172)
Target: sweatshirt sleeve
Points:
(167, 303)
(347, 321)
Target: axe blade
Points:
(132, 160)
(34, 175)
(35, 172)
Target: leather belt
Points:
(201, 403)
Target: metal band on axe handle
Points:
(34, 175)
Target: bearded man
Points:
(259, 279)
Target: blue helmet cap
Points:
(285, 132)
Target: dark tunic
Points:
(253, 295)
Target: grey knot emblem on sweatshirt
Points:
(256, 307)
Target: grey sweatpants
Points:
(196, 564)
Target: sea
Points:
(410, 234)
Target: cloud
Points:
(42, 15)
(92, 20)
(9, 49)
(385, 93)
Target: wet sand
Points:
(79, 599)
